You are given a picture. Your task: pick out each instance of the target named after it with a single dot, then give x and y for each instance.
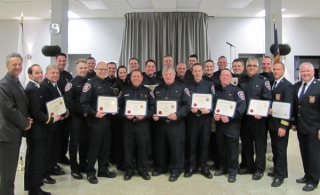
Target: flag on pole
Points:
(22, 76)
(276, 50)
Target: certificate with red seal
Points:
(107, 104)
(136, 108)
(258, 107)
(165, 107)
(225, 108)
(56, 107)
(201, 100)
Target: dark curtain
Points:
(154, 35)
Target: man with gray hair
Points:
(14, 120)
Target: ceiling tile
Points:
(227, 12)
(164, 4)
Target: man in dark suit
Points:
(36, 137)
(282, 91)
(306, 114)
(14, 119)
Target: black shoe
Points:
(26, 188)
(49, 180)
(107, 174)
(257, 175)
(76, 175)
(43, 193)
(271, 174)
(128, 176)
(189, 173)
(206, 174)
(41, 183)
(173, 178)
(57, 172)
(157, 173)
(301, 180)
(57, 168)
(64, 160)
(232, 178)
(145, 176)
(277, 182)
(309, 187)
(219, 173)
(92, 179)
(244, 171)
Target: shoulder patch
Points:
(267, 84)
(115, 91)
(241, 95)
(213, 89)
(152, 95)
(68, 87)
(186, 90)
(86, 87)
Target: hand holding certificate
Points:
(56, 107)
(258, 107)
(281, 110)
(200, 100)
(107, 104)
(225, 108)
(165, 108)
(136, 108)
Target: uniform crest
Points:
(86, 87)
(68, 87)
(213, 89)
(241, 95)
(152, 95)
(267, 84)
(312, 99)
(186, 90)
(278, 96)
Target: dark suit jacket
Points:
(13, 110)
(307, 112)
(37, 112)
(64, 78)
(282, 93)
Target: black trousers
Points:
(169, 146)
(52, 148)
(136, 138)
(65, 134)
(79, 138)
(279, 149)
(254, 135)
(99, 143)
(310, 154)
(9, 155)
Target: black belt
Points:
(168, 121)
(136, 120)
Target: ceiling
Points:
(39, 9)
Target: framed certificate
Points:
(165, 107)
(225, 108)
(136, 108)
(258, 107)
(151, 87)
(281, 110)
(107, 104)
(56, 107)
(235, 81)
(201, 100)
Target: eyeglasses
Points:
(252, 65)
(102, 69)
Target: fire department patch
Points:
(86, 87)
(186, 90)
(241, 95)
(68, 87)
(152, 95)
(267, 84)
(213, 89)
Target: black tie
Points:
(274, 85)
(302, 91)
(56, 86)
(135, 94)
(167, 92)
(20, 85)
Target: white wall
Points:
(102, 38)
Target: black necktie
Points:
(302, 91)
(20, 85)
(167, 92)
(56, 86)
(274, 85)
(135, 94)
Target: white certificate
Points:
(107, 104)
(56, 107)
(234, 81)
(258, 107)
(151, 87)
(164, 108)
(201, 100)
(136, 108)
(225, 108)
(281, 110)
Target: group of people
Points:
(181, 140)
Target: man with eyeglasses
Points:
(99, 124)
(254, 128)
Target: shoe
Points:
(107, 174)
(309, 187)
(276, 182)
(189, 173)
(128, 176)
(219, 173)
(49, 180)
(173, 178)
(232, 178)
(206, 174)
(43, 193)
(76, 175)
(257, 175)
(64, 160)
(244, 171)
(271, 174)
(157, 173)
(57, 172)
(41, 183)
(301, 180)
(145, 176)
(26, 188)
(92, 179)
(57, 168)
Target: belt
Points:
(168, 121)
(136, 120)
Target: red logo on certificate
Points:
(218, 110)
(101, 108)
(195, 104)
(160, 112)
(251, 110)
(52, 114)
(129, 111)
